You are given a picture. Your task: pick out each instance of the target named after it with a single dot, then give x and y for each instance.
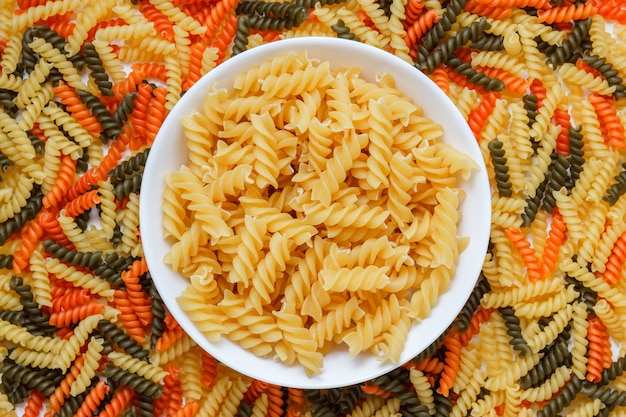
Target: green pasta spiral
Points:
(614, 370)
(499, 161)
(145, 405)
(443, 405)
(444, 50)
(463, 319)
(608, 396)
(488, 43)
(609, 73)
(44, 380)
(128, 186)
(576, 152)
(533, 203)
(98, 73)
(557, 355)
(343, 31)
(6, 101)
(110, 128)
(564, 52)
(119, 337)
(349, 399)
(530, 105)
(563, 399)
(514, 330)
(140, 384)
(157, 308)
(438, 31)
(73, 403)
(88, 259)
(135, 163)
(240, 43)
(273, 9)
(618, 188)
(558, 174)
(587, 295)
(473, 76)
(35, 320)
(244, 409)
(12, 316)
(15, 391)
(6, 261)
(124, 109)
(59, 42)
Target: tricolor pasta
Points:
(301, 171)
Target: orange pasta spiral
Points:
(118, 21)
(412, 11)
(162, 24)
(225, 36)
(452, 362)
(30, 234)
(189, 409)
(26, 4)
(430, 365)
(598, 350)
(556, 237)
(480, 316)
(564, 14)
(151, 70)
(34, 404)
(478, 116)
(440, 77)
(494, 12)
(62, 392)
(275, 397)
(128, 317)
(616, 260)
(195, 65)
(50, 224)
(156, 114)
(168, 338)
(63, 182)
(70, 298)
(513, 83)
(220, 10)
(296, 397)
(138, 298)
(561, 117)
(419, 27)
(607, 114)
(175, 399)
(82, 203)
(537, 88)
(519, 240)
(609, 11)
(370, 389)
(74, 105)
(170, 381)
(93, 400)
(209, 369)
(140, 112)
(120, 399)
(73, 315)
(129, 85)
(256, 388)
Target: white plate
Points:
(169, 152)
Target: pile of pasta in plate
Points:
(317, 208)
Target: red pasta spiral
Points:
(73, 315)
(562, 118)
(556, 238)
(82, 203)
(610, 121)
(494, 12)
(563, 14)
(477, 117)
(70, 297)
(93, 400)
(128, 317)
(523, 247)
(34, 404)
(62, 184)
(451, 363)
(121, 398)
(162, 24)
(31, 234)
(254, 391)
(616, 260)
(598, 350)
